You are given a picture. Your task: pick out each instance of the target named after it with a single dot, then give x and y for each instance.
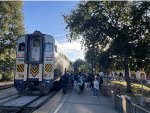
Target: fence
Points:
(137, 109)
(122, 104)
(118, 104)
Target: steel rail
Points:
(23, 104)
(16, 104)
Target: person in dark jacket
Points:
(100, 79)
(64, 82)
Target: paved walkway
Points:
(84, 103)
(74, 103)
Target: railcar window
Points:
(36, 43)
(48, 47)
(21, 46)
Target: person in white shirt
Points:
(96, 88)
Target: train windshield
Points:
(35, 50)
(36, 43)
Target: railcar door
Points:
(49, 58)
(21, 67)
(34, 57)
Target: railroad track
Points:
(23, 104)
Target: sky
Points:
(46, 17)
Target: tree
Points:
(83, 22)
(11, 22)
(80, 65)
(11, 27)
(141, 24)
(115, 24)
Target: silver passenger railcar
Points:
(39, 63)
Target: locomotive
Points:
(39, 63)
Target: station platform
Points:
(74, 103)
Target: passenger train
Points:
(39, 63)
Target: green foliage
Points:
(123, 25)
(11, 24)
(80, 65)
(11, 27)
(120, 27)
(7, 64)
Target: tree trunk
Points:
(9, 64)
(93, 56)
(127, 78)
(92, 65)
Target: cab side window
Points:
(48, 47)
(21, 46)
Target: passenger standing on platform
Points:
(75, 80)
(88, 80)
(100, 80)
(64, 81)
(87, 83)
(96, 88)
(80, 80)
(72, 78)
(92, 77)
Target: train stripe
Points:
(34, 70)
(48, 67)
(20, 67)
(49, 70)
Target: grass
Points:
(136, 88)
